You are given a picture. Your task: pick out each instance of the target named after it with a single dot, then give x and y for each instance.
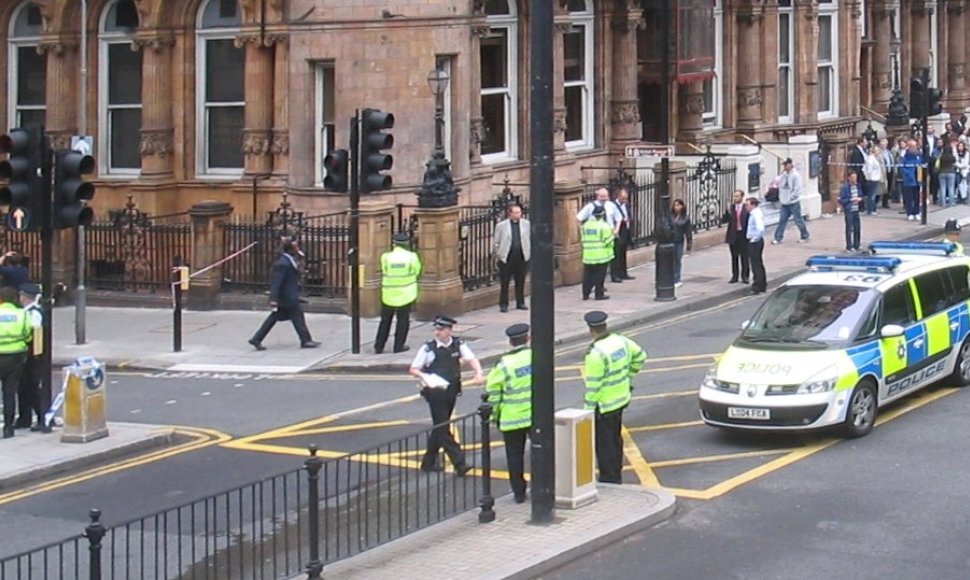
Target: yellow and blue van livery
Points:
(831, 346)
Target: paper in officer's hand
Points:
(433, 381)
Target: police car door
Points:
(899, 308)
(935, 300)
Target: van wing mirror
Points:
(745, 324)
(891, 330)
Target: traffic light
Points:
(933, 104)
(373, 140)
(71, 192)
(917, 98)
(336, 163)
(23, 192)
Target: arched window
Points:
(578, 74)
(27, 69)
(220, 70)
(499, 75)
(119, 79)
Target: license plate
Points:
(748, 413)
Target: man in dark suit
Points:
(284, 296)
(618, 267)
(736, 220)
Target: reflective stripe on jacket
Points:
(400, 269)
(597, 239)
(610, 365)
(509, 388)
(15, 329)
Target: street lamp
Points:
(898, 114)
(438, 188)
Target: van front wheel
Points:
(861, 414)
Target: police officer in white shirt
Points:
(443, 357)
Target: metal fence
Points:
(710, 187)
(292, 523)
(24, 243)
(325, 239)
(476, 228)
(133, 251)
(644, 191)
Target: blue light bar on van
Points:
(933, 248)
(868, 264)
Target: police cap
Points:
(401, 238)
(599, 210)
(442, 321)
(951, 226)
(30, 289)
(517, 330)
(596, 318)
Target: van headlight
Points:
(710, 379)
(823, 382)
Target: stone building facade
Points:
(239, 100)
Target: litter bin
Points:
(85, 401)
(575, 458)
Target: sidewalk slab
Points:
(215, 341)
(495, 550)
(30, 456)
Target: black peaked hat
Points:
(951, 225)
(442, 321)
(517, 330)
(596, 318)
(401, 238)
(30, 289)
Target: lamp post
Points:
(898, 114)
(664, 260)
(438, 188)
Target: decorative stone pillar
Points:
(257, 132)
(749, 96)
(568, 251)
(477, 127)
(440, 289)
(61, 113)
(956, 93)
(625, 105)
(157, 133)
(562, 27)
(280, 147)
(678, 179)
(921, 12)
(806, 49)
(375, 239)
(690, 112)
(208, 247)
(882, 74)
(850, 49)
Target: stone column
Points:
(956, 93)
(440, 290)
(690, 112)
(882, 74)
(678, 179)
(157, 133)
(208, 247)
(850, 49)
(61, 114)
(257, 134)
(280, 147)
(749, 97)
(921, 13)
(569, 252)
(476, 128)
(806, 51)
(562, 26)
(375, 239)
(625, 105)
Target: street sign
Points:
(634, 151)
(18, 219)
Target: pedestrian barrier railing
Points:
(336, 506)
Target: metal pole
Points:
(927, 162)
(177, 305)
(81, 292)
(312, 465)
(354, 252)
(664, 260)
(47, 262)
(543, 313)
(94, 532)
(487, 502)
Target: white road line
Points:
(170, 402)
(206, 393)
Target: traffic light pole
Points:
(81, 293)
(354, 252)
(47, 264)
(926, 171)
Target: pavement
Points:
(215, 341)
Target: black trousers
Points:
(30, 398)
(594, 276)
(11, 368)
(515, 457)
(739, 257)
(515, 269)
(609, 446)
(403, 314)
(756, 252)
(442, 403)
(618, 265)
(292, 313)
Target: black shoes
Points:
(744, 281)
(462, 469)
(7, 432)
(503, 308)
(521, 497)
(521, 307)
(256, 344)
(310, 344)
(432, 468)
(733, 281)
(604, 297)
(404, 348)
(629, 278)
(616, 280)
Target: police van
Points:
(833, 345)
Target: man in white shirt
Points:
(756, 246)
(443, 356)
(613, 216)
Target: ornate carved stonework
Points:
(883, 80)
(559, 121)
(480, 31)
(156, 43)
(275, 38)
(956, 71)
(46, 8)
(922, 8)
(256, 142)
(60, 140)
(629, 22)
(956, 7)
(694, 103)
(157, 142)
(749, 97)
(476, 132)
(563, 27)
(625, 112)
(478, 6)
(55, 46)
(247, 38)
(281, 143)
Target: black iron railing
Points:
(710, 188)
(24, 243)
(476, 228)
(292, 523)
(643, 190)
(324, 239)
(132, 251)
